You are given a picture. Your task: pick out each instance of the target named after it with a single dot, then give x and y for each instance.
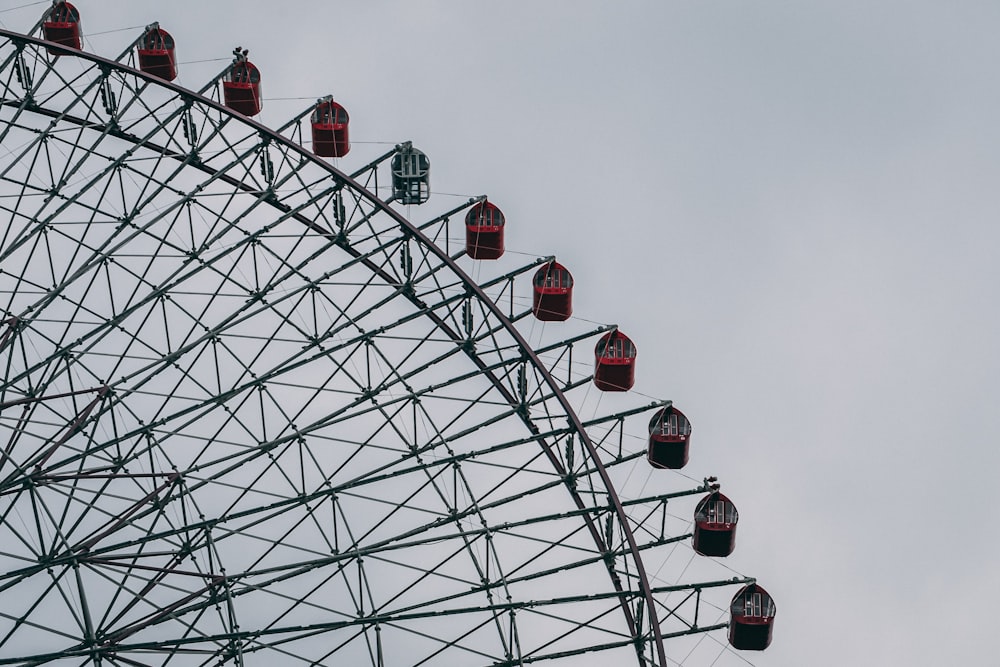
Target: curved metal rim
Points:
(471, 286)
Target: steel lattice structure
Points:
(251, 414)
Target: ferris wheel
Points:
(251, 413)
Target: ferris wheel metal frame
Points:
(91, 440)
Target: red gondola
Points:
(156, 53)
(752, 619)
(614, 362)
(411, 176)
(553, 293)
(241, 85)
(484, 231)
(669, 435)
(61, 24)
(329, 129)
(715, 525)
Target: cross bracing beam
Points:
(368, 620)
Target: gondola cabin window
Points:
(717, 511)
(716, 508)
(616, 348)
(558, 278)
(674, 425)
(243, 73)
(754, 605)
(486, 216)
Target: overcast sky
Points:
(790, 206)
